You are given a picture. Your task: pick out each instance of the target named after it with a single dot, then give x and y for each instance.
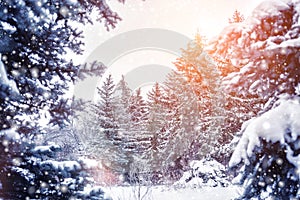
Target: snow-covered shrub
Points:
(268, 152)
(29, 171)
(206, 172)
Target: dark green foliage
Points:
(269, 172)
(93, 69)
(35, 37)
(29, 171)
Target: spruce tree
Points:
(174, 154)
(203, 79)
(138, 143)
(155, 126)
(30, 171)
(122, 95)
(185, 119)
(266, 63)
(108, 139)
(138, 111)
(264, 58)
(224, 63)
(267, 154)
(105, 109)
(35, 37)
(34, 76)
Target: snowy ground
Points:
(165, 193)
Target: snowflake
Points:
(31, 190)
(34, 72)
(64, 11)
(281, 184)
(15, 65)
(43, 184)
(39, 3)
(46, 95)
(261, 183)
(4, 58)
(17, 161)
(279, 161)
(5, 143)
(63, 188)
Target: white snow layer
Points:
(46, 148)
(203, 173)
(4, 79)
(10, 134)
(62, 165)
(167, 193)
(89, 163)
(269, 8)
(272, 127)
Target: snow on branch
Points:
(10, 134)
(4, 80)
(271, 126)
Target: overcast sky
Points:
(186, 17)
(209, 17)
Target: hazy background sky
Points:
(184, 16)
(187, 17)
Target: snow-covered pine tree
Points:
(95, 142)
(138, 111)
(127, 136)
(268, 153)
(105, 109)
(174, 154)
(98, 145)
(203, 78)
(188, 64)
(163, 126)
(35, 36)
(187, 118)
(108, 140)
(156, 126)
(265, 52)
(131, 115)
(140, 140)
(122, 96)
(32, 172)
(223, 63)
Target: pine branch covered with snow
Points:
(29, 171)
(35, 37)
(269, 153)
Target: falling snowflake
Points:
(63, 188)
(64, 11)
